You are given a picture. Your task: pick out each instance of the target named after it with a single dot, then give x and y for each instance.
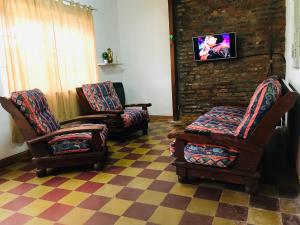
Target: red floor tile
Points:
(102, 219)
(94, 202)
(55, 181)
(55, 195)
(86, 175)
(18, 203)
(22, 188)
(131, 194)
(140, 211)
(16, 219)
(55, 212)
(147, 173)
(25, 177)
(89, 187)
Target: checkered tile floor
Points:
(139, 186)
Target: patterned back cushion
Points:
(264, 97)
(34, 107)
(102, 96)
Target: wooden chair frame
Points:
(245, 170)
(114, 116)
(42, 157)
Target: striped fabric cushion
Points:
(34, 106)
(264, 97)
(75, 142)
(102, 96)
(210, 155)
(134, 116)
(221, 120)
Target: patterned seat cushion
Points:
(74, 142)
(221, 120)
(132, 116)
(210, 155)
(102, 96)
(34, 106)
(264, 97)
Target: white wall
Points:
(292, 74)
(107, 35)
(144, 31)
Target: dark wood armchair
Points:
(246, 168)
(122, 119)
(56, 154)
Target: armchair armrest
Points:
(85, 118)
(144, 105)
(81, 129)
(109, 112)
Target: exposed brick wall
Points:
(203, 85)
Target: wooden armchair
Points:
(50, 145)
(108, 99)
(245, 169)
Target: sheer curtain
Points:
(51, 46)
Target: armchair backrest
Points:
(264, 97)
(101, 96)
(34, 106)
(120, 92)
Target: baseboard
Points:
(157, 117)
(22, 156)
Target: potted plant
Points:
(105, 57)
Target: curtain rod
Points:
(87, 6)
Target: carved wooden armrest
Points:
(94, 128)
(143, 105)
(108, 112)
(85, 118)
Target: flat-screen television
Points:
(215, 47)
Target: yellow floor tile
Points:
(160, 147)
(69, 175)
(157, 166)
(114, 148)
(203, 207)
(8, 185)
(116, 206)
(132, 172)
(134, 145)
(235, 198)
(4, 213)
(126, 221)
(221, 221)
(72, 184)
(77, 216)
(148, 158)
(124, 162)
(118, 155)
(39, 180)
(184, 189)
(290, 206)
(7, 197)
(166, 153)
(103, 178)
(151, 197)
(168, 176)
(164, 215)
(108, 190)
(38, 191)
(36, 207)
(12, 174)
(140, 183)
(263, 217)
(153, 142)
(39, 221)
(74, 198)
(140, 150)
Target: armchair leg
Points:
(98, 166)
(41, 172)
(183, 179)
(252, 187)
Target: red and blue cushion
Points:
(132, 116)
(75, 142)
(102, 96)
(34, 106)
(264, 97)
(210, 155)
(221, 120)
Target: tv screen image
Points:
(215, 47)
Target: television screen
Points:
(215, 47)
